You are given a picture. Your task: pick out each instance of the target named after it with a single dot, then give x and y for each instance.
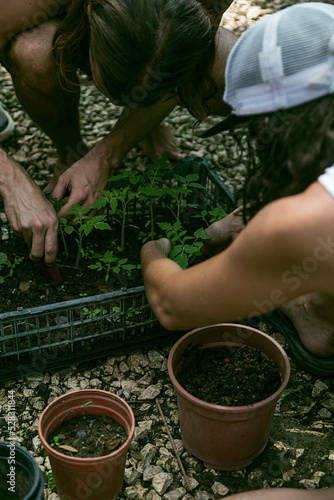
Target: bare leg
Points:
(313, 318)
(35, 79)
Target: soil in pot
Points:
(88, 436)
(229, 376)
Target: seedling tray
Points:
(55, 336)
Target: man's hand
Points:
(223, 232)
(84, 181)
(32, 217)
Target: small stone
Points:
(123, 367)
(324, 413)
(319, 388)
(175, 494)
(220, 489)
(329, 404)
(153, 495)
(150, 471)
(95, 382)
(150, 393)
(155, 359)
(130, 475)
(161, 482)
(130, 492)
(308, 484)
(36, 444)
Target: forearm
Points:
(12, 176)
(158, 273)
(132, 126)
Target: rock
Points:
(150, 471)
(175, 494)
(156, 359)
(319, 388)
(161, 482)
(308, 484)
(151, 392)
(130, 475)
(324, 413)
(130, 492)
(329, 404)
(36, 444)
(153, 495)
(220, 489)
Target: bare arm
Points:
(285, 493)
(90, 174)
(262, 268)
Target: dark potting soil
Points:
(88, 436)
(27, 287)
(22, 482)
(230, 376)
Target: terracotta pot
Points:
(96, 478)
(225, 437)
(20, 476)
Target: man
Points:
(26, 34)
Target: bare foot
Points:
(313, 318)
(161, 142)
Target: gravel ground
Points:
(300, 451)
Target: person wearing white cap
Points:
(280, 84)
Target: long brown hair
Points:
(145, 50)
(291, 148)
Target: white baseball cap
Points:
(283, 60)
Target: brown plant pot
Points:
(225, 437)
(98, 478)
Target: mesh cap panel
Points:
(283, 60)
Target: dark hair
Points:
(289, 150)
(146, 50)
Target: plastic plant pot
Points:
(96, 478)
(225, 437)
(20, 476)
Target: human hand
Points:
(163, 245)
(157, 247)
(32, 217)
(222, 233)
(84, 181)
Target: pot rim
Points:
(81, 460)
(231, 409)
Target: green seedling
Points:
(7, 267)
(55, 441)
(151, 189)
(83, 225)
(185, 246)
(96, 312)
(109, 262)
(211, 216)
(184, 187)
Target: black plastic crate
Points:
(54, 336)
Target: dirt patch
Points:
(88, 436)
(230, 376)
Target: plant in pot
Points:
(227, 433)
(100, 475)
(20, 476)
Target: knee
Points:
(29, 57)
